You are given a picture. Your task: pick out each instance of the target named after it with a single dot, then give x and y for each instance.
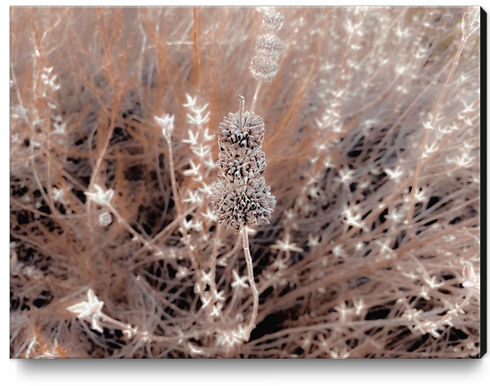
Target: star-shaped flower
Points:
(190, 101)
(166, 122)
(286, 246)
(239, 281)
(58, 194)
(101, 197)
(89, 310)
(313, 241)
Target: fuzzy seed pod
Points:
(248, 206)
(273, 20)
(263, 68)
(240, 171)
(269, 45)
(241, 197)
(240, 140)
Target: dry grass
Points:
(373, 151)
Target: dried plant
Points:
(365, 240)
(242, 199)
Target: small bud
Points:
(273, 20)
(105, 219)
(166, 122)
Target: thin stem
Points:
(256, 96)
(194, 264)
(159, 173)
(95, 172)
(197, 61)
(172, 178)
(222, 259)
(142, 334)
(418, 168)
(240, 111)
(169, 228)
(214, 255)
(251, 280)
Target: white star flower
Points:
(218, 296)
(192, 138)
(193, 171)
(209, 214)
(190, 101)
(166, 122)
(208, 137)
(58, 194)
(286, 246)
(193, 197)
(210, 163)
(351, 219)
(101, 197)
(89, 310)
(216, 310)
(313, 241)
(239, 281)
(206, 277)
(201, 150)
(198, 119)
(394, 174)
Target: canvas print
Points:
(245, 182)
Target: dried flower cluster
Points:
(242, 198)
(120, 174)
(264, 65)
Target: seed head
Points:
(273, 20)
(242, 139)
(247, 206)
(263, 68)
(240, 171)
(269, 45)
(241, 197)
